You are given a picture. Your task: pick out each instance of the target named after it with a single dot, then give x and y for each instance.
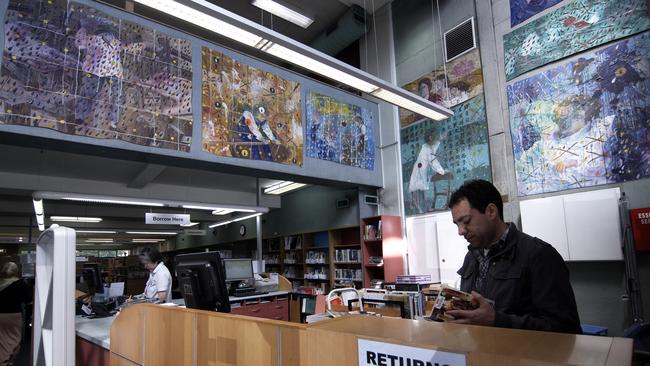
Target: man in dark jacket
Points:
(524, 276)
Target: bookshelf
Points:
(383, 249)
(345, 251)
(323, 259)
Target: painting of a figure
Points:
(521, 10)
(585, 122)
(570, 29)
(449, 85)
(249, 113)
(339, 132)
(75, 69)
(438, 156)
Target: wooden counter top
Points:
(502, 346)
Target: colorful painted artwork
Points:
(437, 157)
(77, 70)
(573, 28)
(449, 85)
(249, 113)
(584, 123)
(521, 10)
(339, 132)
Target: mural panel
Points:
(249, 113)
(575, 27)
(437, 157)
(77, 70)
(584, 123)
(521, 10)
(463, 81)
(339, 132)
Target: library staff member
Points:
(524, 276)
(159, 285)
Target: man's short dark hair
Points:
(479, 193)
(151, 254)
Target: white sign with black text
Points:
(373, 353)
(166, 219)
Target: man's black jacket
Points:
(529, 284)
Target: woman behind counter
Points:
(159, 285)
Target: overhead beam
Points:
(146, 176)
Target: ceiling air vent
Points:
(460, 39)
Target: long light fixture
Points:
(284, 11)
(75, 219)
(39, 212)
(95, 232)
(234, 220)
(150, 240)
(282, 187)
(152, 232)
(218, 210)
(190, 224)
(218, 20)
(113, 201)
(98, 240)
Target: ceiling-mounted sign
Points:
(166, 219)
(194, 232)
(381, 353)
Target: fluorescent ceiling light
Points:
(224, 211)
(147, 240)
(95, 232)
(152, 232)
(99, 240)
(409, 104)
(75, 219)
(202, 19)
(190, 224)
(38, 206)
(117, 202)
(234, 220)
(216, 19)
(284, 11)
(218, 210)
(282, 187)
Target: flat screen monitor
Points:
(238, 269)
(202, 281)
(92, 278)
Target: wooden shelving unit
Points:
(318, 257)
(383, 249)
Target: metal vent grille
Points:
(460, 39)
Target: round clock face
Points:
(242, 230)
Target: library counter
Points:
(158, 335)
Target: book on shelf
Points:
(372, 231)
(416, 279)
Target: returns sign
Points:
(373, 353)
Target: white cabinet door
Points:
(544, 218)
(593, 226)
(582, 226)
(451, 248)
(422, 246)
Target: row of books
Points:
(316, 257)
(293, 242)
(316, 274)
(416, 279)
(271, 258)
(374, 260)
(372, 231)
(348, 255)
(348, 274)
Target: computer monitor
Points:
(238, 269)
(202, 281)
(92, 278)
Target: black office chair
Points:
(640, 333)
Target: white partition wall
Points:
(581, 226)
(422, 246)
(54, 303)
(435, 247)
